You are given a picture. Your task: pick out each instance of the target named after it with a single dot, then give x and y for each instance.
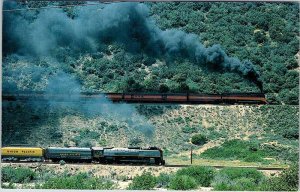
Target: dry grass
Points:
(210, 162)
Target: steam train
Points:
(228, 98)
(182, 98)
(151, 155)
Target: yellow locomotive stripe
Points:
(22, 151)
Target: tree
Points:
(163, 88)
(132, 85)
(199, 139)
(260, 37)
(183, 87)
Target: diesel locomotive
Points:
(150, 155)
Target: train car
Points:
(115, 97)
(147, 97)
(72, 154)
(176, 98)
(152, 155)
(135, 97)
(22, 154)
(204, 98)
(189, 98)
(249, 98)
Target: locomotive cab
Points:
(97, 154)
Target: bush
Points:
(80, 181)
(236, 173)
(135, 142)
(146, 181)
(163, 180)
(237, 179)
(9, 186)
(17, 175)
(163, 88)
(62, 162)
(183, 182)
(288, 180)
(202, 175)
(85, 143)
(199, 139)
(244, 184)
(240, 184)
(237, 149)
(188, 129)
(85, 137)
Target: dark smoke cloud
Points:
(69, 89)
(93, 27)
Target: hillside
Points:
(272, 130)
(244, 43)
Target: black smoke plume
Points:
(35, 34)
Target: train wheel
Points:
(54, 160)
(157, 161)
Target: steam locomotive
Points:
(183, 98)
(150, 155)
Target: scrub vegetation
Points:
(194, 177)
(263, 33)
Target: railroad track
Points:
(134, 165)
(221, 167)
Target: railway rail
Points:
(152, 165)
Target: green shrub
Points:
(183, 182)
(202, 175)
(17, 175)
(288, 180)
(235, 173)
(85, 143)
(9, 186)
(164, 179)
(80, 181)
(214, 134)
(253, 157)
(239, 184)
(84, 138)
(276, 120)
(199, 139)
(113, 128)
(163, 88)
(45, 174)
(237, 179)
(188, 129)
(244, 184)
(62, 162)
(146, 181)
(237, 150)
(135, 142)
